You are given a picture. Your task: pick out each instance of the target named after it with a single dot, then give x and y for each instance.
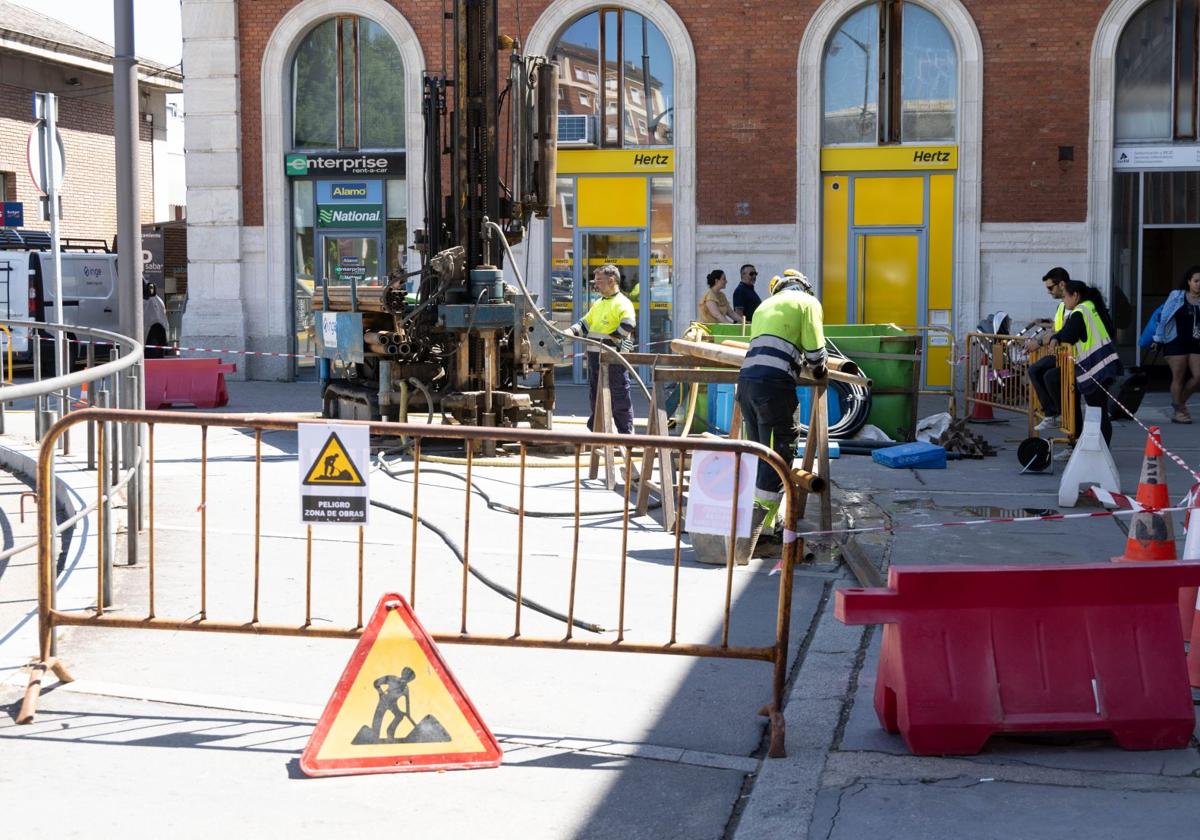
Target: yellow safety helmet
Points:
(789, 279)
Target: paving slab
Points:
(990, 810)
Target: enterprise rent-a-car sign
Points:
(299, 165)
(350, 203)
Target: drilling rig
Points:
(454, 339)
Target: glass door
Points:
(350, 260)
(626, 249)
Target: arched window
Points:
(890, 76)
(634, 105)
(1156, 73)
(347, 87)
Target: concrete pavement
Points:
(596, 746)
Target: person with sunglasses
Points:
(745, 299)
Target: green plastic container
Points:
(890, 357)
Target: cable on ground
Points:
(456, 549)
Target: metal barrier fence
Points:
(666, 589)
(937, 336)
(998, 376)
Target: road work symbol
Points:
(334, 467)
(393, 691)
(397, 707)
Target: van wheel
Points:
(157, 335)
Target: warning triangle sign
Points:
(397, 707)
(333, 466)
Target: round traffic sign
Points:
(37, 171)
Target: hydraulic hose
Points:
(484, 579)
(500, 506)
(604, 348)
(856, 400)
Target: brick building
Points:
(924, 160)
(39, 53)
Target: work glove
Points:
(819, 371)
(576, 329)
(626, 345)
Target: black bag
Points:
(1129, 391)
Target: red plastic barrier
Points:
(198, 382)
(969, 651)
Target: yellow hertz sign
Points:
(622, 161)
(889, 159)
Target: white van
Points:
(89, 289)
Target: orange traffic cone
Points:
(1151, 533)
(82, 402)
(981, 412)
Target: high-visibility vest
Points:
(611, 320)
(1060, 316)
(1095, 356)
(786, 331)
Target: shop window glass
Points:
(397, 229)
(851, 68)
(890, 75)
(633, 58)
(314, 90)
(302, 266)
(929, 81)
(382, 89)
(562, 254)
(1145, 74)
(347, 87)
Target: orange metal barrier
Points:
(192, 584)
(935, 336)
(998, 376)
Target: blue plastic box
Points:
(720, 407)
(919, 455)
(835, 451)
(833, 401)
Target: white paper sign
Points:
(334, 465)
(329, 328)
(710, 494)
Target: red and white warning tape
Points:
(1158, 437)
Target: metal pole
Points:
(91, 426)
(35, 341)
(106, 485)
(129, 239)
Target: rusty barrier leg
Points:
(193, 587)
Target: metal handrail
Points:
(132, 352)
(62, 527)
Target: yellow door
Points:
(889, 277)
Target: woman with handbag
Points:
(1178, 334)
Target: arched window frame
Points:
(884, 58)
(613, 106)
(1180, 112)
(541, 38)
(275, 118)
(350, 92)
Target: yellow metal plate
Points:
(888, 268)
(889, 201)
(888, 158)
(616, 161)
(610, 202)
